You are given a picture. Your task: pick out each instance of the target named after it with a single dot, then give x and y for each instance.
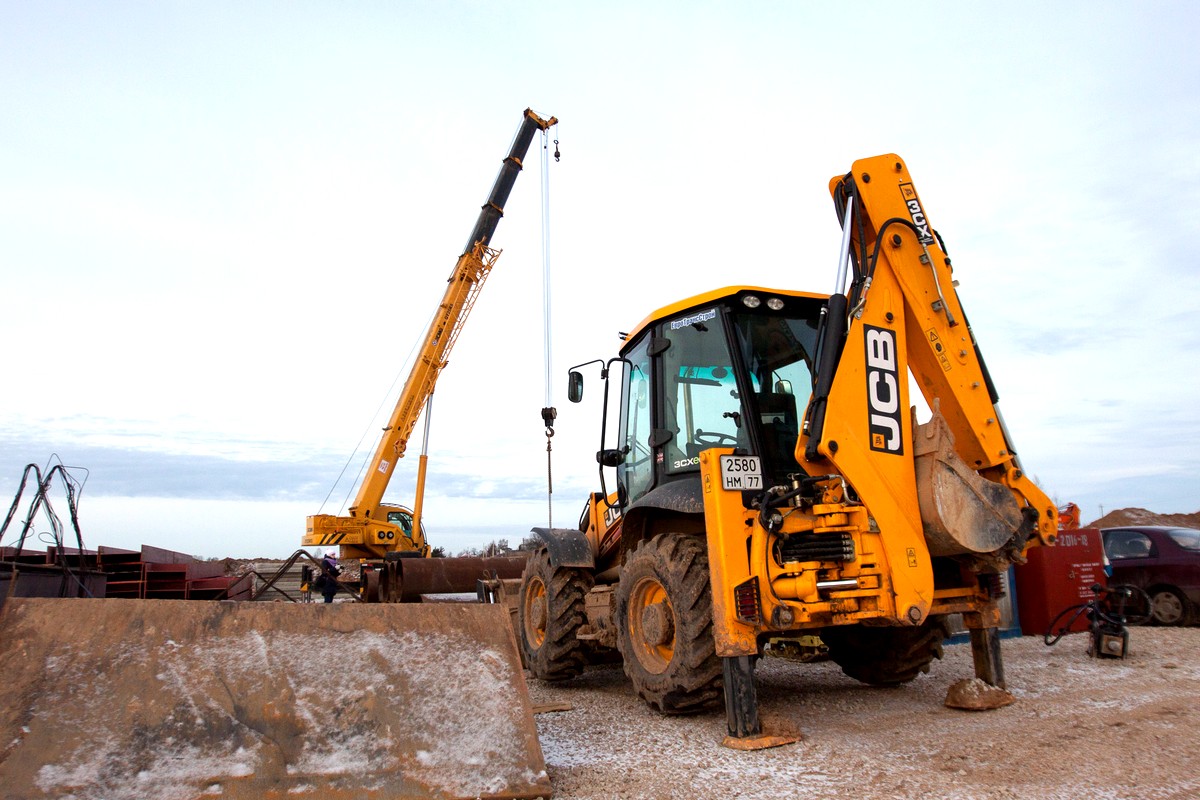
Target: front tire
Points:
(663, 615)
(551, 610)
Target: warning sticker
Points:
(935, 342)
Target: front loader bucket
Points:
(173, 700)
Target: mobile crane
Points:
(390, 735)
(387, 537)
(771, 482)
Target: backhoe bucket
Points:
(172, 700)
(961, 511)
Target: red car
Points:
(1163, 561)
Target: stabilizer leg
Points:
(741, 708)
(989, 670)
(741, 699)
(985, 650)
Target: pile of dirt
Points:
(1140, 516)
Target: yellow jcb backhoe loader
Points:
(771, 481)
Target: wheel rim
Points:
(651, 625)
(1166, 608)
(535, 612)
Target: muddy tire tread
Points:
(885, 656)
(692, 681)
(561, 656)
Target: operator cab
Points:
(732, 368)
(403, 518)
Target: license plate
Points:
(739, 473)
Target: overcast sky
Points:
(223, 226)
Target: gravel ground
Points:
(1081, 727)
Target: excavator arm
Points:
(961, 490)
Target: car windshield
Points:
(1187, 538)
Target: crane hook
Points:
(557, 155)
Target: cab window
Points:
(636, 473)
(403, 519)
(702, 405)
(776, 352)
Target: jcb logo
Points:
(916, 213)
(883, 391)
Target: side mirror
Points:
(610, 458)
(574, 386)
(783, 387)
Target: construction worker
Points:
(329, 572)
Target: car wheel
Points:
(1167, 606)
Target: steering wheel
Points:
(713, 438)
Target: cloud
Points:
(117, 471)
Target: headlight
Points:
(751, 301)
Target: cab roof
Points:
(715, 296)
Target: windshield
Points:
(737, 373)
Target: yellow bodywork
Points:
(770, 461)
(394, 530)
(908, 318)
(913, 292)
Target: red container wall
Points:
(1058, 577)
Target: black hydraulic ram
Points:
(833, 335)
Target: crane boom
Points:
(461, 292)
(368, 532)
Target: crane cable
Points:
(548, 411)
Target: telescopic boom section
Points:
(462, 289)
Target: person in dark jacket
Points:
(328, 580)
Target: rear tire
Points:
(885, 656)
(550, 611)
(663, 615)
